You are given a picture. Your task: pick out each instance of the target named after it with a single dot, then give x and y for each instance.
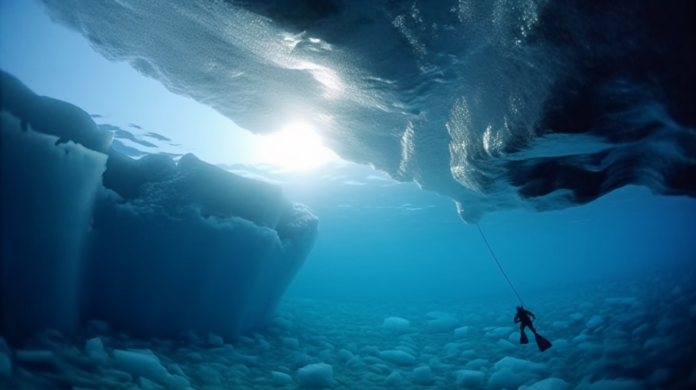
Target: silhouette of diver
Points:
(523, 317)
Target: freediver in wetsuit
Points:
(523, 317)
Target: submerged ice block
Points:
(187, 245)
(47, 195)
(152, 246)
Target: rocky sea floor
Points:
(630, 334)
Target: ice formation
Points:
(500, 104)
(360, 357)
(48, 192)
(315, 376)
(154, 247)
(396, 324)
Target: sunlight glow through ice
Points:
(297, 147)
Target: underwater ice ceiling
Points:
(496, 104)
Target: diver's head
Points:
(520, 308)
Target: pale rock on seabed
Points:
(634, 334)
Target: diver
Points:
(523, 317)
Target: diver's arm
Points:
(517, 318)
(530, 313)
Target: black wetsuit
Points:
(523, 317)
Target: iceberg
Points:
(152, 246)
(48, 193)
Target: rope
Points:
(499, 266)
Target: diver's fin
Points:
(523, 338)
(542, 343)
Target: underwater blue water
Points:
(145, 246)
(398, 242)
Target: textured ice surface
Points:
(469, 379)
(140, 364)
(153, 246)
(396, 324)
(56, 185)
(505, 345)
(594, 322)
(499, 332)
(613, 359)
(315, 376)
(461, 332)
(244, 240)
(394, 379)
(445, 323)
(504, 379)
(398, 357)
(51, 116)
(281, 378)
(500, 104)
(422, 375)
(95, 350)
(290, 342)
